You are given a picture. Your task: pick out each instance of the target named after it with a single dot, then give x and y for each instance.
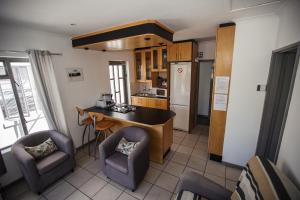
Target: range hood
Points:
(141, 34)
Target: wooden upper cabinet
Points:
(182, 51)
(148, 64)
(172, 52)
(159, 59)
(138, 66)
(143, 65)
(155, 59)
(163, 62)
(185, 50)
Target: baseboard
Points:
(215, 157)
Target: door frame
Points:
(269, 141)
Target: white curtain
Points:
(43, 72)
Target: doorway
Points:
(280, 86)
(204, 93)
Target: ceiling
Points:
(190, 19)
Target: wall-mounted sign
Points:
(222, 84)
(220, 102)
(75, 74)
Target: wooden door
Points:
(185, 51)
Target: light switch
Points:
(261, 87)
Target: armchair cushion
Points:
(126, 147)
(118, 161)
(42, 150)
(48, 163)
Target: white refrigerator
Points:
(180, 90)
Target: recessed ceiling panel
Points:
(246, 4)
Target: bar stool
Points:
(87, 122)
(101, 125)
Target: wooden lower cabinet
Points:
(149, 102)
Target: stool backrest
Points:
(96, 116)
(80, 111)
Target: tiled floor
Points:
(188, 153)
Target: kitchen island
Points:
(158, 123)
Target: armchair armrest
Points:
(63, 142)
(26, 161)
(201, 185)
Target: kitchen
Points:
(164, 74)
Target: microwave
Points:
(160, 92)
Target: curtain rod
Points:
(11, 51)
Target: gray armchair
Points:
(130, 170)
(202, 186)
(41, 173)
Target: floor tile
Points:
(177, 140)
(203, 139)
(158, 193)
(79, 177)
(187, 169)
(53, 186)
(61, 191)
(179, 134)
(93, 185)
(93, 166)
(216, 179)
(170, 155)
(85, 160)
(197, 163)
(125, 196)
(174, 168)
(152, 174)
(77, 195)
(180, 158)
(201, 154)
(201, 146)
(108, 192)
(233, 173)
(189, 142)
(185, 150)
(141, 191)
(230, 185)
(103, 176)
(215, 168)
(167, 181)
(117, 185)
(159, 166)
(174, 147)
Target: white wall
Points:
(208, 49)
(94, 64)
(255, 38)
(288, 158)
(204, 87)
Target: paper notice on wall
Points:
(220, 102)
(222, 84)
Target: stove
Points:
(122, 108)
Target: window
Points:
(118, 81)
(21, 112)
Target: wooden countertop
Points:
(148, 116)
